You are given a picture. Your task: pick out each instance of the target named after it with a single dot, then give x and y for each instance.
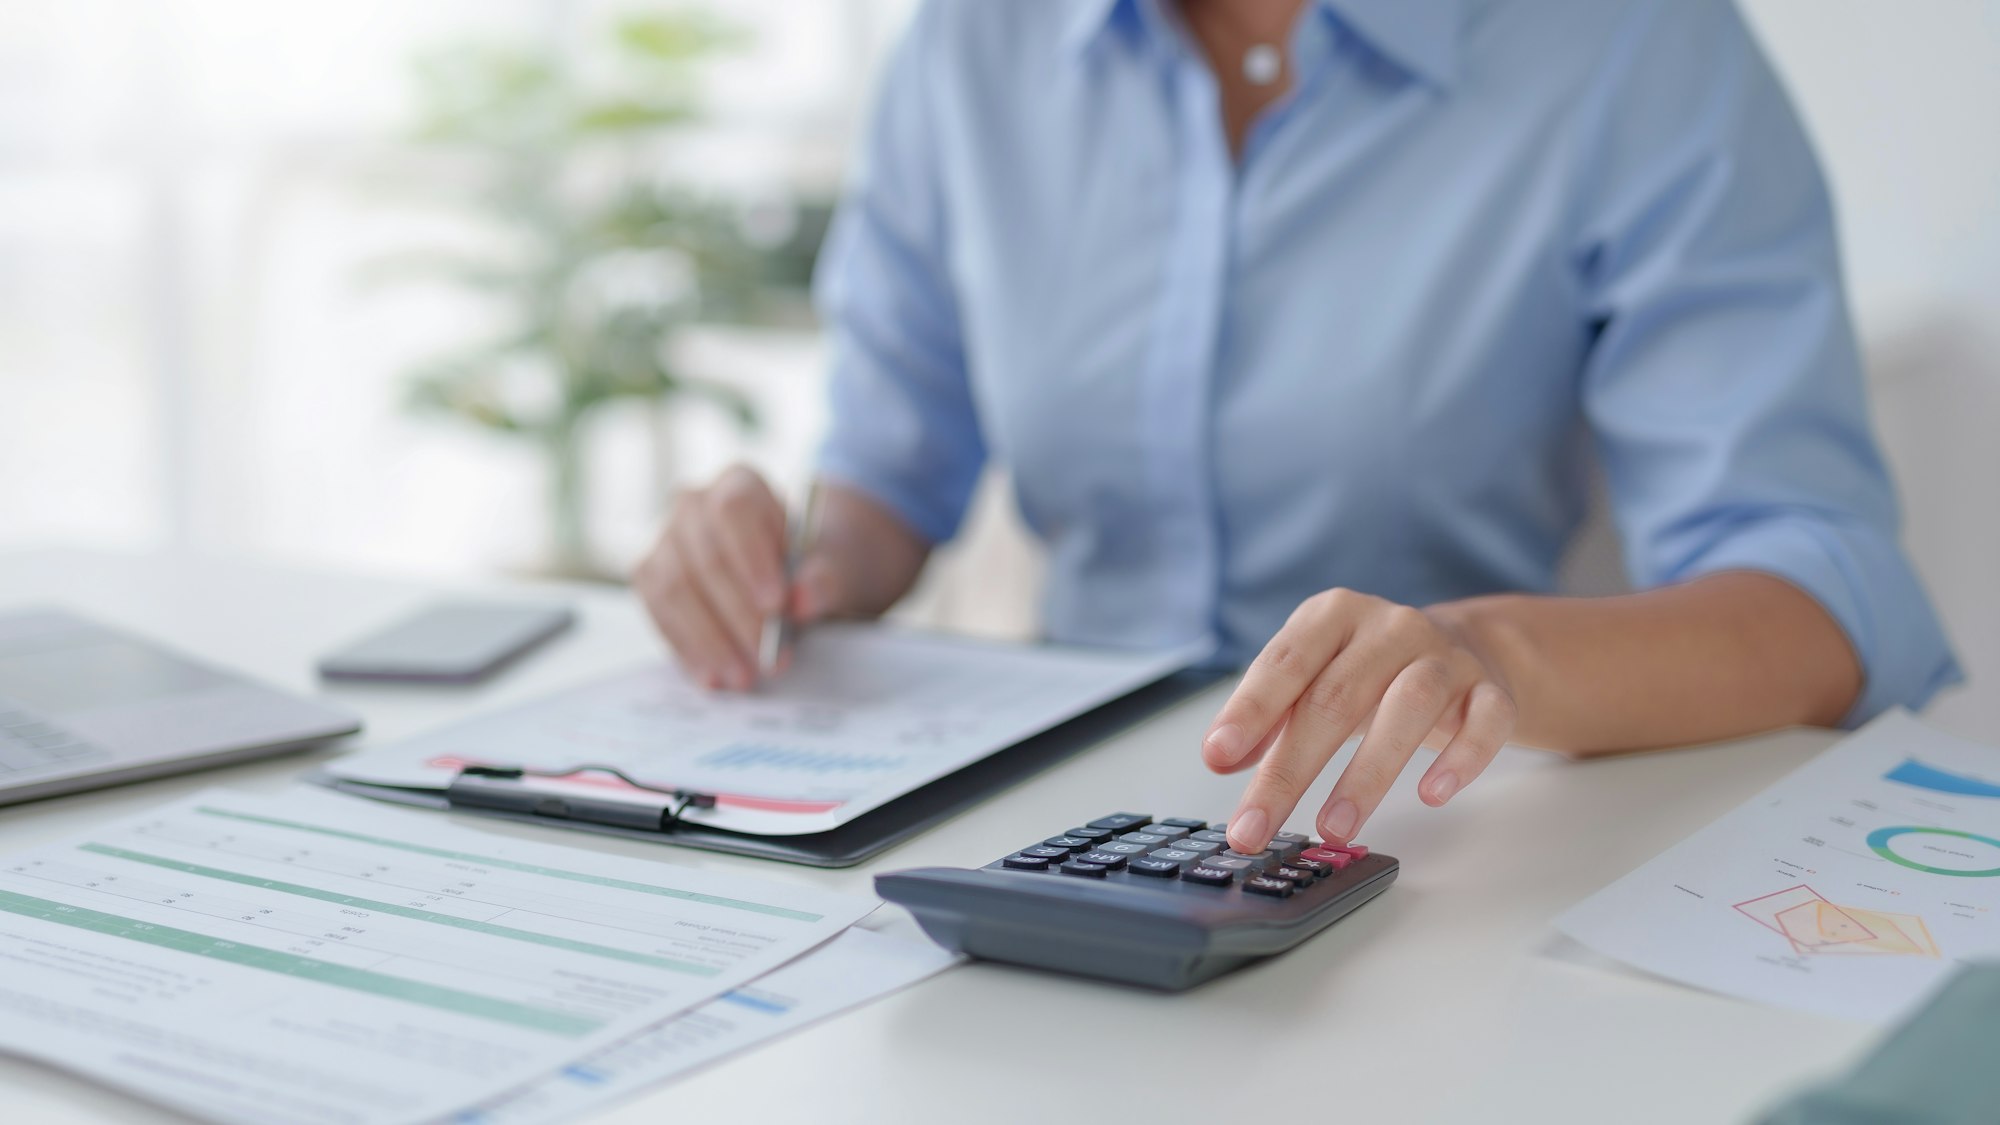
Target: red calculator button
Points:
(1355, 850)
(1338, 859)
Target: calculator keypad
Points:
(1135, 848)
(1121, 822)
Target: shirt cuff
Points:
(1864, 581)
(933, 517)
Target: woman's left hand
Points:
(1345, 660)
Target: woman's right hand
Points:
(718, 573)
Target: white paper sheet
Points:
(315, 958)
(865, 714)
(852, 969)
(1850, 888)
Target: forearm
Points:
(1725, 655)
(877, 555)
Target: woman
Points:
(1296, 321)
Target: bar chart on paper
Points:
(1851, 887)
(865, 714)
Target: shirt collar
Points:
(1091, 20)
(1420, 35)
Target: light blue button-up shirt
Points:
(1478, 244)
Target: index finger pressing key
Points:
(1274, 682)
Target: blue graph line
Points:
(748, 755)
(757, 1002)
(1913, 772)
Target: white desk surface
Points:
(1434, 1003)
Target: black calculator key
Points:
(1209, 876)
(1144, 839)
(1119, 847)
(1088, 833)
(1068, 843)
(1313, 866)
(1086, 870)
(1265, 885)
(1046, 852)
(1296, 874)
(1157, 868)
(1186, 822)
(1121, 822)
(1025, 863)
(1102, 858)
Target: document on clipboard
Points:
(865, 714)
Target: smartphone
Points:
(449, 643)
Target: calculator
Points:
(1162, 903)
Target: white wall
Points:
(1904, 101)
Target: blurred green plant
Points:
(596, 255)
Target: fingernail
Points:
(1443, 786)
(1226, 740)
(1341, 820)
(1251, 830)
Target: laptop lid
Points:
(82, 705)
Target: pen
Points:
(512, 789)
(780, 631)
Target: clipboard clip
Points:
(512, 789)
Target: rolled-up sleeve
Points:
(1724, 386)
(904, 428)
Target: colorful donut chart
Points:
(1878, 840)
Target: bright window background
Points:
(187, 353)
(187, 357)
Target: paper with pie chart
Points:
(1851, 888)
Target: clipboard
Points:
(871, 833)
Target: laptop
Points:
(83, 706)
